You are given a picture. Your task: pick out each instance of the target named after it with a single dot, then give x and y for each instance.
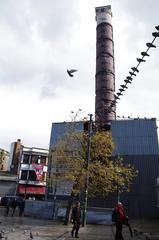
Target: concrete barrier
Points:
(94, 215)
(39, 209)
(45, 210)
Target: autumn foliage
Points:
(106, 173)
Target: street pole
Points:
(55, 192)
(87, 176)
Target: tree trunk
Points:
(68, 210)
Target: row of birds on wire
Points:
(133, 72)
(134, 118)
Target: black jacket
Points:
(76, 214)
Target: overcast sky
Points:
(41, 39)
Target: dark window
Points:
(35, 159)
(28, 175)
(26, 159)
(43, 160)
(24, 175)
(32, 176)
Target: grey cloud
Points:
(51, 19)
(52, 80)
(48, 92)
(55, 19)
(12, 73)
(141, 10)
(15, 15)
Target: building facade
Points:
(136, 140)
(32, 172)
(137, 143)
(4, 159)
(14, 156)
(58, 131)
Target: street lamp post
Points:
(26, 185)
(55, 193)
(118, 188)
(87, 176)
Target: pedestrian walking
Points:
(7, 205)
(13, 205)
(21, 204)
(119, 218)
(76, 219)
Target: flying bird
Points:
(71, 71)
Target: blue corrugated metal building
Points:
(135, 137)
(137, 142)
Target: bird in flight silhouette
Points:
(71, 71)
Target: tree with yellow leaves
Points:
(105, 174)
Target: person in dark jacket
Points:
(21, 204)
(13, 205)
(119, 218)
(76, 219)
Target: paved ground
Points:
(19, 228)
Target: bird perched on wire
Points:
(71, 71)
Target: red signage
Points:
(39, 171)
(24, 189)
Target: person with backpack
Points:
(119, 218)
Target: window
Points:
(43, 160)
(24, 175)
(32, 175)
(26, 159)
(35, 159)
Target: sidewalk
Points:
(20, 227)
(142, 228)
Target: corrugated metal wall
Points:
(137, 143)
(141, 201)
(143, 191)
(135, 137)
